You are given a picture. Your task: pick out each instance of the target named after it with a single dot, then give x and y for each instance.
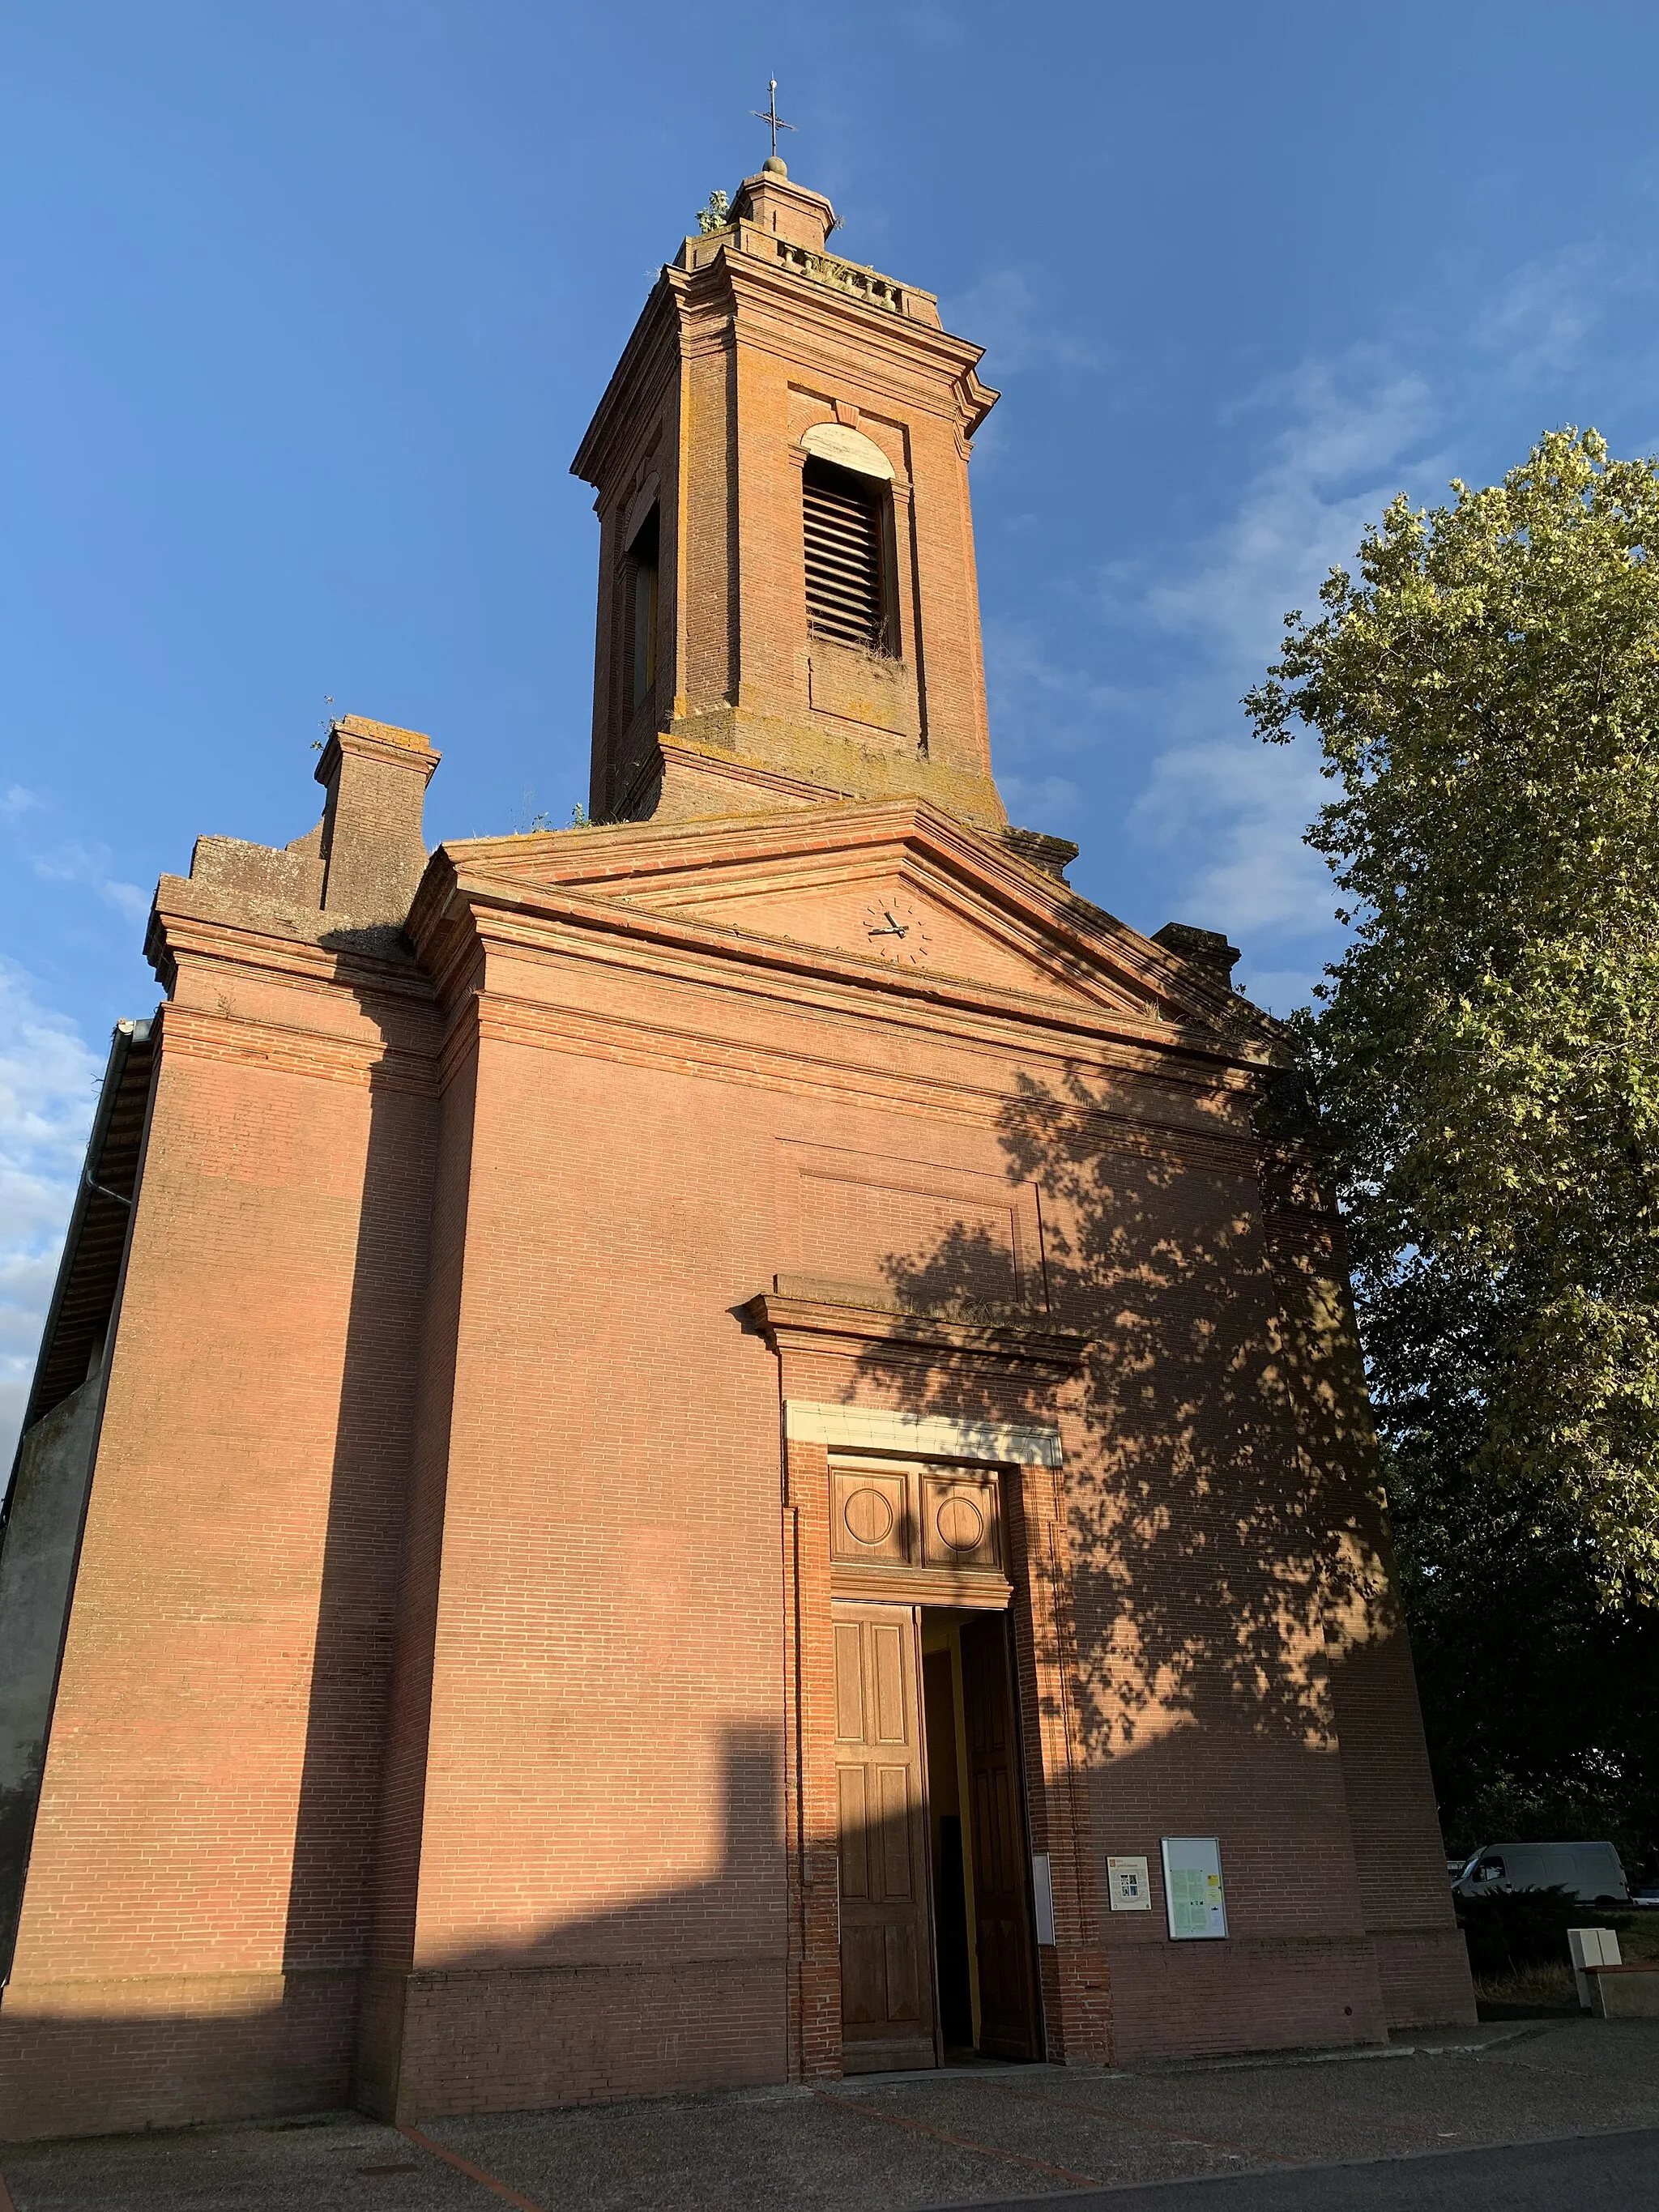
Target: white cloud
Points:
(1351, 433)
(1033, 694)
(1540, 320)
(48, 1079)
(72, 862)
(1243, 808)
(1044, 802)
(1333, 466)
(1230, 812)
(1009, 313)
(127, 898)
(15, 801)
(1221, 817)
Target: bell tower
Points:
(788, 610)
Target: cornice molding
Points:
(923, 359)
(736, 288)
(842, 989)
(635, 852)
(461, 1039)
(617, 406)
(699, 1054)
(359, 742)
(186, 921)
(801, 1073)
(669, 752)
(783, 1316)
(852, 986)
(920, 1585)
(190, 1034)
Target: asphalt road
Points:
(1584, 2173)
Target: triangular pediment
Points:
(894, 889)
(902, 912)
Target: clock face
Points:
(892, 929)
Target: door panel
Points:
(863, 1979)
(855, 1833)
(1002, 1913)
(886, 1980)
(887, 1642)
(903, 1997)
(849, 1683)
(897, 1796)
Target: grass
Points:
(1546, 1986)
(1550, 1983)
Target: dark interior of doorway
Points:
(981, 1940)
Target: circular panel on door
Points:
(960, 1524)
(869, 1517)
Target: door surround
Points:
(957, 1369)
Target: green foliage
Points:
(533, 821)
(1538, 1695)
(1487, 1054)
(1520, 1928)
(716, 215)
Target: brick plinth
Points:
(1192, 1999)
(173, 2051)
(517, 2039)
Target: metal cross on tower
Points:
(770, 115)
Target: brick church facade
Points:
(714, 1448)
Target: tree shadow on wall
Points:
(1225, 1549)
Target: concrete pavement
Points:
(1516, 2108)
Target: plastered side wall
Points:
(37, 1573)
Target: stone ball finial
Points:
(774, 166)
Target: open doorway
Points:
(937, 1956)
(985, 1958)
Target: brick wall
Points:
(199, 1878)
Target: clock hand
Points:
(893, 928)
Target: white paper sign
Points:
(1128, 1884)
(1192, 1887)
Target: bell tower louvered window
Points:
(846, 521)
(640, 570)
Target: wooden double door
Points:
(890, 2010)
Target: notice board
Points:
(1192, 1894)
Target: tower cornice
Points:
(729, 282)
(756, 286)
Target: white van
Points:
(1588, 1870)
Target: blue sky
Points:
(310, 303)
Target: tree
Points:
(1485, 1054)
